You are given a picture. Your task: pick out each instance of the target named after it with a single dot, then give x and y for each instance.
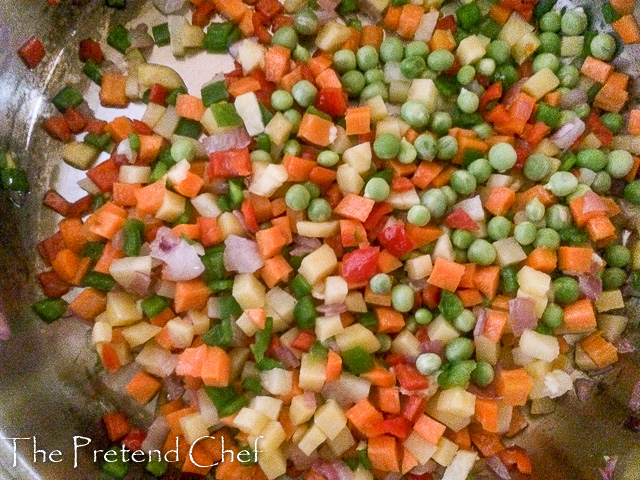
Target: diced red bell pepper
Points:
(431, 296)
(410, 378)
(117, 425)
(414, 407)
(266, 87)
(229, 164)
(80, 207)
(52, 285)
(494, 92)
(394, 358)
(360, 265)
(525, 69)
(260, 24)
(422, 476)
(158, 94)
(281, 21)
(142, 128)
(304, 341)
(56, 202)
(595, 125)
(378, 211)
(447, 23)
(269, 8)
(396, 239)
(461, 219)
(421, 334)
(104, 175)
(523, 7)
(203, 14)
(32, 52)
(50, 247)
(523, 150)
(249, 215)
(534, 133)
(516, 456)
(133, 440)
(90, 50)
(75, 120)
(332, 101)
(399, 427)
(520, 111)
(401, 184)
(95, 126)
(58, 128)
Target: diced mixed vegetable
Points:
(387, 231)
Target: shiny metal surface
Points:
(45, 369)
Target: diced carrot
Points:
(537, 191)
(391, 18)
(124, 194)
(113, 90)
(173, 419)
(634, 122)
(363, 415)
(627, 29)
(58, 128)
(353, 42)
(315, 130)
(105, 223)
(500, 200)
(426, 173)
(514, 386)
(461, 438)
(442, 40)
(199, 461)
(191, 231)
(355, 207)
(191, 295)
(470, 297)
(276, 63)
(409, 20)
(575, 259)
(334, 366)
(516, 456)
(66, 264)
(283, 224)
(429, 429)
(120, 128)
(72, 234)
(149, 199)
(383, 452)
(275, 270)
(467, 280)
(143, 387)
(499, 13)
(487, 279)
(389, 320)
(579, 317)
(117, 425)
(371, 35)
(487, 414)
(443, 177)
(319, 63)
(623, 7)
(599, 350)
(298, 168)
(243, 85)
(618, 80)
(465, 144)
(495, 325)
(190, 186)
(352, 233)
(270, 241)
(191, 360)
(487, 443)
(216, 367)
(233, 9)
(601, 230)
(581, 217)
(188, 106)
(388, 399)
(611, 98)
(380, 376)
(542, 259)
(446, 274)
(422, 236)
(388, 262)
(596, 69)
(358, 120)
(328, 79)
(109, 254)
(89, 304)
(408, 461)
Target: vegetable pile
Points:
(371, 247)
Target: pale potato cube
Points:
(250, 421)
(245, 324)
(311, 440)
(318, 229)
(282, 303)
(443, 247)
(273, 463)
(123, 270)
(461, 466)
(331, 37)
(525, 47)
(248, 291)
(357, 387)
(206, 205)
(318, 264)
(362, 473)
(505, 413)
(172, 207)
(540, 303)
(312, 373)
(349, 181)
(355, 302)
(457, 401)
(330, 418)
(167, 124)
(446, 452)
(378, 5)
(440, 329)
(272, 437)
(193, 427)
(534, 282)
(514, 29)
(405, 343)
(156, 360)
(419, 447)
(541, 83)
(151, 73)
(378, 108)
(180, 332)
(277, 381)
(153, 114)
(230, 225)
(486, 350)
(250, 55)
(102, 332)
(612, 326)
(357, 335)
(419, 267)
(472, 48)
(424, 91)
(140, 333)
(248, 109)
(122, 309)
(509, 251)
(335, 290)
(134, 174)
(300, 411)
(269, 180)
(342, 442)
(270, 406)
(539, 346)
(389, 125)
(404, 200)
(278, 128)
(610, 300)
(359, 157)
(200, 322)
(327, 327)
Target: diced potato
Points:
(279, 128)
(167, 124)
(486, 350)
(269, 180)
(505, 414)
(180, 332)
(277, 381)
(525, 47)
(378, 5)
(273, 463)
(300, 411)
(272, 437)
(571, 46)
(248, 108)
(193, 427)
(509, 251)
(102, 332)
(541, 83)
(404, 200)
(207, 409)
(378, 108)
(311, 440)
(312, 373)
(514, 29)
(339, 139)
(156, 360)
(357, 335)
(330, 418)
(238, 357)
(472, 48)
(342, 442)
(461, 466)
(357, 387)
(123, 270)
(443, 247)
(153, 114)
(176, 25)
(151, 73)
(270, 406)
(79, 154)
(250, 55)
(539, 303)
(609, 300)
(446, 452)
(122, 309)
(172, 207)
(250, 421)
(424, 91)
(331, 37)
(539, 346)
(206, 205)
(139, 333)
(318, 229)
(349, 181)
(192, 36)
(388, 125)
(612, 326)
(534, 282)
(457, 401)
(134, 174)
(419, 267)
(283, 304)
(230, 225)
(399, 91)
(327, 327)
(335, 290)
(245, 324)
(355, 302)
(419, 447)
(248, 291)
(405, 343)
(362, 473)
(440, 329)
(359, 157)
(318, 264)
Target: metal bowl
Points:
(48, 386)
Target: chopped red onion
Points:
(624, 345)
(590, 286)
(496, 465)
(332, 309)
(333, 345)
(118, 239)
(568, 133)
(140, 38)
(432, 346)
(328, 5)
(219, 186)
(169, 6)
(139, 283)
(325, 16)
(309, 399)
(286, 356)
(238, 214)
(585, 388)
(481, 321)
(632, 423)
(634, 401)
(304, 245)
(181, 258)
(523, 315)
(124, 149)
(300, 460)
(325, 469)
(156, 434)
(241, 255)
(343, 471)
(609, 468)
(226, 140)
(511, 94)
(573, 98)
(174, 387)
(5, 331)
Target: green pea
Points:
(413, 67)
(450, 194)
(419, 215)
(441, 122)
(304, 92)
(499, 51)
(423, 316)
(537, 167)
(591, 158)
(297, 197)
(619, 163)
(292, 147)
(499, 228)
(440, 60)
(602, 182)
(535, 210)
(566, 289)
(462, 238)
(631, 192)
(574, 22)
(580, 190)
(550, 21)
(456, 374)
(305, 22)
(582, 110)
(367, 57)
(459, 255)
(435, 201)
(328, 158)
(415, 114)
(374, 75)
(183, 149)
(467, 101)
(428, 363)
(481, 252)
(562, 184)
(285, 36)
(447, 147)
(465, 322)
(377, 189)
(486, 66)
(483, 374)
(613, 278)
(566, 116)
(617, 256)
(391, 50)
(568, 76)
(373, 90)
(402, 298)
(549, 43)
(313, 189)
(426, 146)
(553, 316)
(281, 100)
(480, 169)
(294, 118)
(319, 210)
(463, 182)
(407, 153)
(344, 61)
(613, 121)
(460, 348)
(525, 233)
(386, 146)
(416, 48)
(466, 75)
(546, 60)
(547, 238)
(301, 54)
(353, 83)
(380, 284)
(260, 156)
(502, 157)
(558, 216)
